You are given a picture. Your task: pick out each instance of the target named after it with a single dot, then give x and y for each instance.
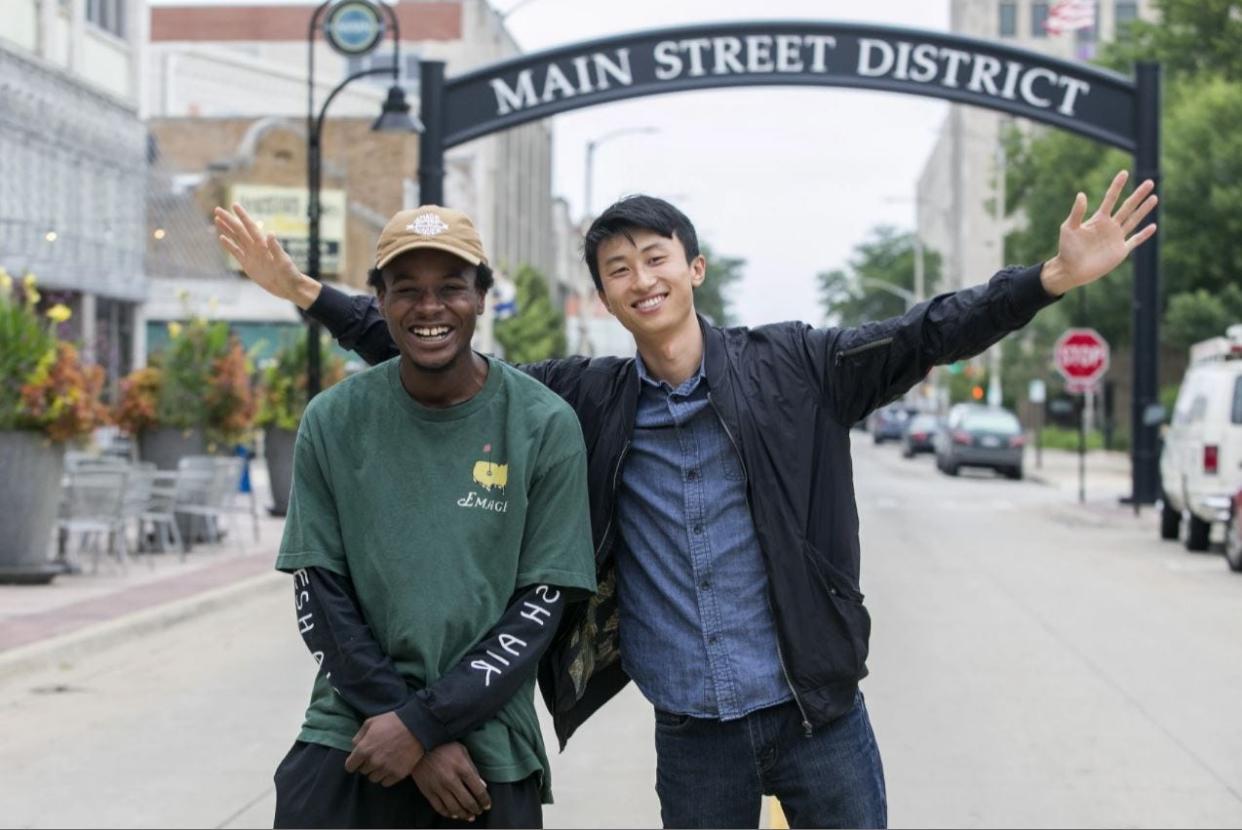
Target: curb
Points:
(101, 636)
(1037, 478)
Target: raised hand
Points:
(1089, 250)
(447, 778)
(262, 257)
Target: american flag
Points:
(1068, 15)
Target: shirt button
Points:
(692, 475)
(698, 529)
(705, 584)
(712, 639)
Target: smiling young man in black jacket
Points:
(722, 505)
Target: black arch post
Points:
(1144, 456)
(431, 143)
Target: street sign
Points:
(1081, 357)
(353, 27)
(991, 74)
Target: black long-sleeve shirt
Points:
(333, 628)
(355, 322)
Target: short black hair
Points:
(483, 277)
(637, 213)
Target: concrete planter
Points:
(165, 446)
(29, 499)
(278, 452)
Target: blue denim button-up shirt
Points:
(697, 632)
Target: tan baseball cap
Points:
(430, 226)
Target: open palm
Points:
(1090, 249)
(260, 256)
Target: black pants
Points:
(314, 790)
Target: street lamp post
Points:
(911, 298)
(584, 301)
(394, 117)
(592, 145)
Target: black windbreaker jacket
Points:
(787, 395)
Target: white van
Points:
(1201, 463)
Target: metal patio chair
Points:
(159, 511)
(206, 494)
(93, 508)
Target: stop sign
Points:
(1081, 356)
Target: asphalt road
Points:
(1033, 663)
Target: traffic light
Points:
(976, 392)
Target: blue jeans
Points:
(712, 773)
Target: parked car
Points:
(889, 423)
(1201, 462)
(975, 435)
(920, 435)
(1233, 534)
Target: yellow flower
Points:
(174, 329)
(32, 294)
(59, 313)
(6, 282)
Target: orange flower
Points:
(140, 391)
(62, 395)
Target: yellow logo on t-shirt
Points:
(491, 476)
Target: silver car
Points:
(980, 436)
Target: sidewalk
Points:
(1107, 482)
(1107, 471)
(74, 614)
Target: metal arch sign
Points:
(354, 27)
(1073, 96)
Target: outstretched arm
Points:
(355, 322)
(859, 369)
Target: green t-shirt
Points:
(438, 516)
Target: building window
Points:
(1039, 18)
(1008, 18)
(1125, 12)
(108, 15)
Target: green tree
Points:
(1200, 218)
(850, 295)
(537, 331)
(1196, 315)
(1189, 37)
(712, 299)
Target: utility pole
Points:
(995, 393)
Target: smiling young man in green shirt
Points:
(437, 527)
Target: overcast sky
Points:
(788, 179)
